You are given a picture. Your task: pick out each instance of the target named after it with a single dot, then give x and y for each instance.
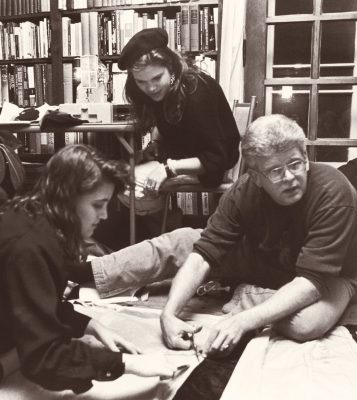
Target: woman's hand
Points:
(147, 365)
(110, 338)
(154, 180)
(151, 151)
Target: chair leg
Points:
(165, 212)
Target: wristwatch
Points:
(169, 172)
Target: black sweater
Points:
(207, 130)
(35, 319)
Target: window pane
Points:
(292, 101)
(284, 7)
(337, 118)
(338, 47)
(292, 43)
(330, 6)
(334, 155)
(296, 71)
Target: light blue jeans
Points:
(143, 263)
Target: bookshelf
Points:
(66, 29)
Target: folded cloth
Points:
(246, 296)
(54, 119)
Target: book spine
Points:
(205, 46)
(185, 28)
(93, 33)
(4, 83)
(38, 85)
(68, 82)
(85, 33)
(211, 31)
(26, 86)
(178, 31)
(194, 28)
(50, 142)
(11, 80)
(49, 93)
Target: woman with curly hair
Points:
(196, 133)
(42, 242)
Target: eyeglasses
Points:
(276, 175)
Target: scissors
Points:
(211, 286)
(190, 337)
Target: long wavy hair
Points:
(72, 171)
(184, 83)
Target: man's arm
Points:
(290, 298)
(189, 277)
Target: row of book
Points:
(196, 204)
(21, 40)
(117, 80)
(82, 4)
(26, 85)
(192, 29)
(9, 8)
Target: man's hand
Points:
(110, 338)
(177, 333)
(223, 337)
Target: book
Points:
(185, 28)
(11, 83)
(205, 33)
(49, 88)
(68, 83)
(85, 33)
(178, 31)
(4, 83)
(93, 33)
(38, 84)
(194, 27)
(211, 31)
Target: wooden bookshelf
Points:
(56, 59)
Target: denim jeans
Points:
(143, 263)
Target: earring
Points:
(172, 79)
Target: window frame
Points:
(262, 72)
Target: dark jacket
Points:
(35, 319)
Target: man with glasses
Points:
(285, 234)
(289, 230)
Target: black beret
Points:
(140, 44)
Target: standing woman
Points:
(197, 133)
(42, 238)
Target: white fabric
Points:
(142, 327)
(231, 72)
(274, 368)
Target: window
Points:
(311, 72)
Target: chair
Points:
(243, 115)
